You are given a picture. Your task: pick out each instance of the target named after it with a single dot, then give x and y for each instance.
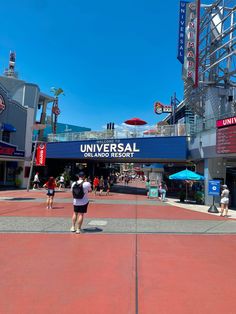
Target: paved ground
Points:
(136, 255)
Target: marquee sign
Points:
(226, 122)
(190, 54)
(181, 41)
(226, 136)
(160, 108)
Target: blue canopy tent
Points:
(152, 167)
(186, 175)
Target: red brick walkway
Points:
(113, 273)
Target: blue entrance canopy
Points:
(155, 149)
(8, 127)
(186, 175)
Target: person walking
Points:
(50, 185)
(61, 182)
(36, 181)
(224, 201)
(107, 185)
(80, 190)
(95, 185)
(101, 185)
(147, 185)
(163, 189)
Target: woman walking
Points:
(224, 202)
(162, 190)
(50, 185)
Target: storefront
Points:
(11, 164)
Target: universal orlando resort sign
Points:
(109, 150)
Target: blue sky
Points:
(113, 59)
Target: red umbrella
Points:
(151, 132)
(135, 121)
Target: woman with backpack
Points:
(80, 190)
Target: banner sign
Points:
(120, 149)
(40, 155)
(181, 41)
(190, 52)
(10, 150)
(160, 108)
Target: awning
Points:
(8, 127)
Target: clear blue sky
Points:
(113, 59)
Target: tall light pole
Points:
(37, 127)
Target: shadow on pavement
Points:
(20, 198)
(125, 189)
(92, 230)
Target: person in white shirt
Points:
(36, 181)
(224, 201)
(80, 202)
(61, 182)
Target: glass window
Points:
(6, 136)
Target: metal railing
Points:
(209, 122)
(165, 130)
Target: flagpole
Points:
(36, 126)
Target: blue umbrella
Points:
(186, 175)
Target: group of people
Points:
(81, 187)
(80, 201)
(101, 185)
(60, 183)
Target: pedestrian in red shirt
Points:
(50, 185)
(95, 185)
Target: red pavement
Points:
(67, 274)
(98, 273)
(187, 274)
(103, 211)
(60, 209)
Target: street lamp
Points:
(36, 126)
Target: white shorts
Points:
(224, 200)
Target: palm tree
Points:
(55, 109)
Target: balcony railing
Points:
(209, 122)
(165, 130)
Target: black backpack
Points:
(78, 191)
